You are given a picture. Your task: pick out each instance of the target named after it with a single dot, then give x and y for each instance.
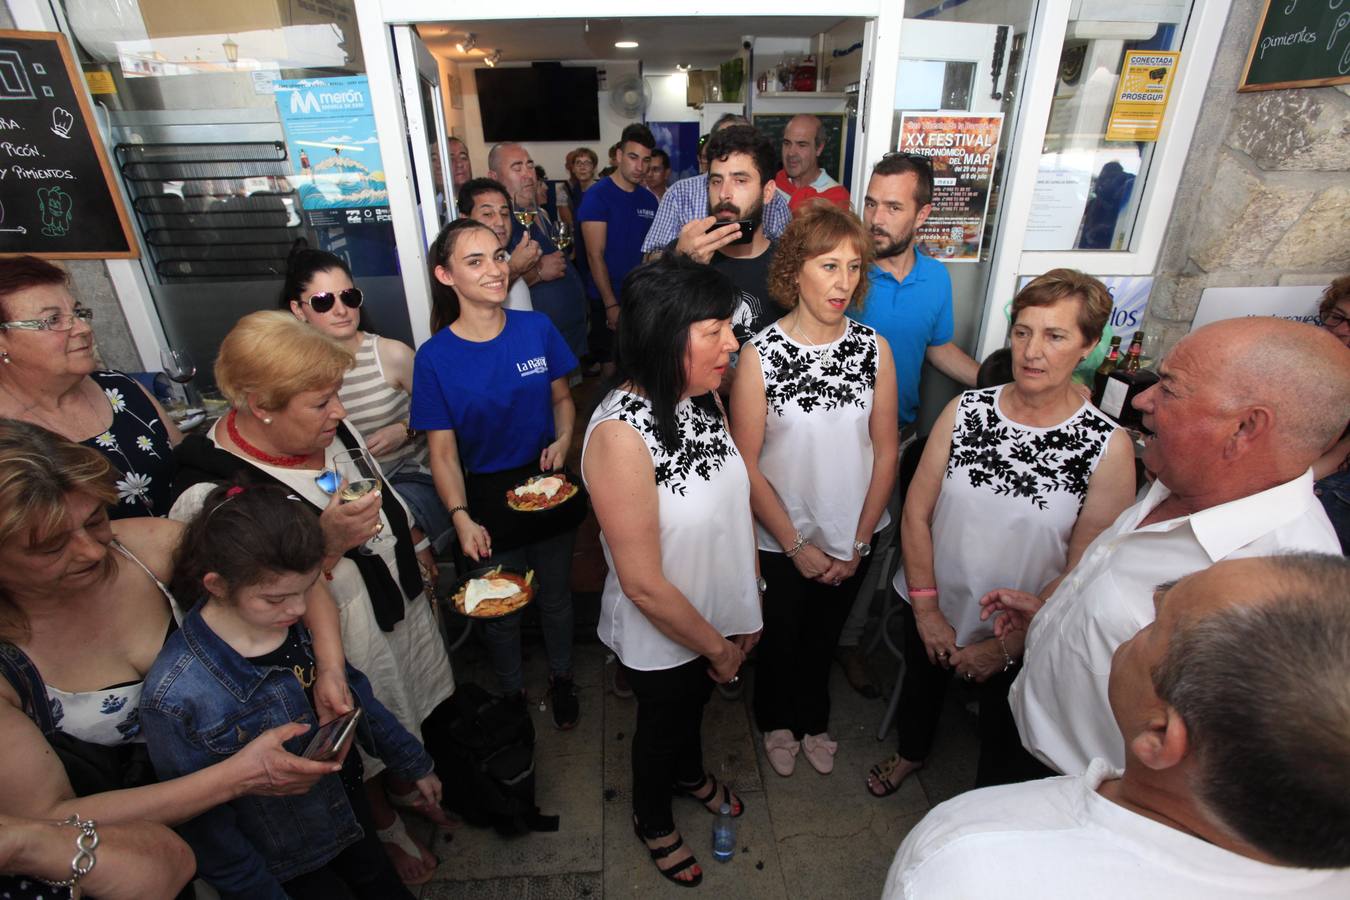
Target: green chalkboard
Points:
(1300, 43)
(57, 195)
(831, 158)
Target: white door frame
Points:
(410, 47)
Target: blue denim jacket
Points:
(202, 703)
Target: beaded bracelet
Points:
(85, 844)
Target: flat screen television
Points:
(538, 103)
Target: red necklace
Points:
(287, 461)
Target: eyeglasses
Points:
(912, 157)
(57, 322)
(1335, 319)
(323, 301)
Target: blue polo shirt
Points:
(912, 315)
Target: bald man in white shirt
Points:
(1243, 409)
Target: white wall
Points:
(668, 99)
(549, 154)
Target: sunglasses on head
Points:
(323, 301)
(912, 157)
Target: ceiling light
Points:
(683, 67)
(626, 45)
(493, 58)
(469, 42)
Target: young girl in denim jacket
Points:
(242, 663)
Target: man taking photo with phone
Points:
(732, 239)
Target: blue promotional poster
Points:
(332, 142)
(680, 140)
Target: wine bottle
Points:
(1125, 383)
(1104, 371)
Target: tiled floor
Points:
(806, 836)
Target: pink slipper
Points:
(820, 750)
(781, 748)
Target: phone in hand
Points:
(747, 230)
(333, 737)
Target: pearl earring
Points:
(267, 420)
(4, 357)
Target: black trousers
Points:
(1003, 760)
(802, 622)
(668, 742)
(362, 871)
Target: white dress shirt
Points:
(1059, 699)
(1058, 839)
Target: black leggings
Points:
(668, 741)
(922, 695)
(802, 621)
(362, 871)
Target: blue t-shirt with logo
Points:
(627, 216)
(912, 315)
(496, 396)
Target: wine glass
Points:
(525, 215)
(361, 475)
(563, 236)
(180, 368)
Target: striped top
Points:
(372, 403)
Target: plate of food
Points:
(541, 492)
(493, 592)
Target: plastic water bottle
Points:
(724, 834)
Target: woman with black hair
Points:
(490, 390)
(376, 391)
(680, 606)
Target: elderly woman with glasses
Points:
(49, 376)
(1332, 471)
(376, 392)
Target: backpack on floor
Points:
(490, 757)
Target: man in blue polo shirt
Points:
(910, 304)
(910, 299)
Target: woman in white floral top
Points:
(48, 376)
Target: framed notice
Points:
(1300, 43)
(1141, 95)
(963, 148)
(58, 199)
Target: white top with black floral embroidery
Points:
(817, 451)
(707, 539)
(1009, 501)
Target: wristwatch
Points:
(863, 550)
(761, 584)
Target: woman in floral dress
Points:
(1014, 483)
(49, 376)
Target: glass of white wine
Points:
(563, 236)
(360, 475)
(525, 215)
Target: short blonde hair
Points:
(273, 356)
(38, 469)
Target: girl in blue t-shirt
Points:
(490, 389)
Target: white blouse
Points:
(817, 451)
(707, 537)
(1010, 498)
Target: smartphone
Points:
(747, 230)
(333, 737)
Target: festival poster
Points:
(963, 148)
(1141, 95)
(332, 142)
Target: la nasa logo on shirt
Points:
(535, 366)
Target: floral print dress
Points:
(137, 444)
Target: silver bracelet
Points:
(800, 542)
(84, 860)
(1008, 661)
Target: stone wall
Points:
(92, 287)
(1265, 199)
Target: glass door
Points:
(423, 107)
(956, 101)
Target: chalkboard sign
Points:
(831, 158)
(57, 195)
(1301, 43)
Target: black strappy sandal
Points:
(736, 804)
(660, 853)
